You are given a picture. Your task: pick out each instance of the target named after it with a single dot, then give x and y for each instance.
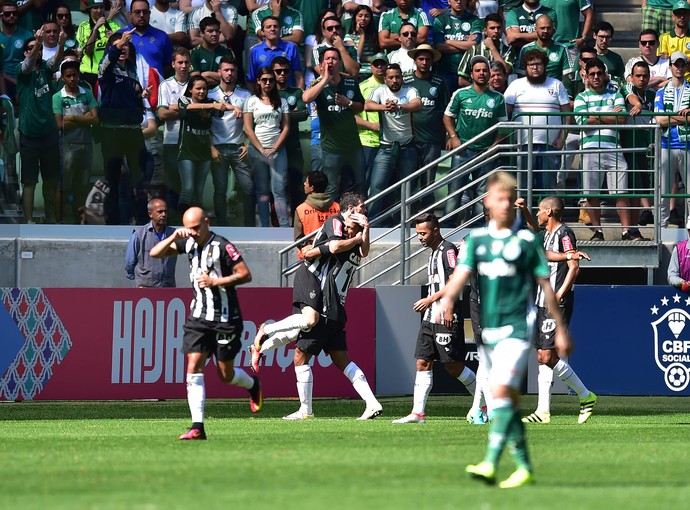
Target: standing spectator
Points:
(63, 17)
(658, 15)
(368, 122)
(31, 15)
(610, 165)
(51, 30)
(603, 34)
(675, 140)
(678, 38)
(310, 10)
(75, 111)
(12, 39)
(140, 266)
(206, 57)
(38, 135)
(267, 126)
(530, 100)
(391, 22)
(472, 110)
(333, 38)
(429, 135)
(397, 155)
(350, 6)
(678, 272)
(273, 46)
(121, 112)
(571, 33)
(492, 47)
(194, 148)
(558, 63)
(289, 19)
(311, 41)
(455, 32)
(92, 37)
(520, 22)
(149, 42)
(225, 16)
(318, 206)
(659, 67)
(169, 20)
(297, 112)
(338, 100)
(228, 138)
(498, 79)
(364, 37)
(214, 326)
(401, 56)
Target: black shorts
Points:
(306, 290)
(327, 335)
(475, 315)
(222, 339)
(436, 342)
(545, 339)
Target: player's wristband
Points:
(569, 256)
(324, 250)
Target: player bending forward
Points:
(508, 263)
(214, 325)
(321, 285)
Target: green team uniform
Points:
(455, 28)
(35, 98)
(428, 124)
(392, 20)
(338, 127)
(290, 19)
(506, 267)
(475, 113)
(568, 12)
(589, 102)
(13, 50)
(367, 51)
(614, 66)
(66, 105)
(558, 65)
(318, 50)
(524, 19)
(310, 10)
(638, 138)
(509, 5)
(203, 60)
(293, 96)
(194, 143)
(506, 52)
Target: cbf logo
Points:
(672, 341)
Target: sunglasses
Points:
(11, 13)
(648, 43)
(332, 28)
(679, 63)
(598, 73)
(409, 34)
(62, 16)
(281, 71)
(266, 81)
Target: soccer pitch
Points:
(633, 453)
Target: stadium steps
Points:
(626, 18)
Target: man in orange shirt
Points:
(311, 214)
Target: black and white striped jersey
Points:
(561, 240)
(439, 269)
(217, 257)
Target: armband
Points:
(324, 250)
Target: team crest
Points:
(672, 340)
(512, 250)
(553, 57)
(687, 45)
(262, 58)
(218, 59)
(312, 294)
(292, 100)
(288, 20)
(433, 92)
(350, 94)
(19, 44)
(466, 26)
(490, 102)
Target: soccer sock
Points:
(296, 320)
(544, 385)
(360, 384)
(279, 339)
(242, 379)
(498, 429)
(423, 382)
(517, 442)
(305, 384)
(196, 397)
(569, 377)
(469, 379)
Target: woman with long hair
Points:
(364, 36)
(267, 126)
(194, 147)
(62, 15)
(92, 37)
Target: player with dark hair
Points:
(214, 326)
(436, 341)
(320, 289)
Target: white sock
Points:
(469, 379)
(486, 389)
(569, 377)
(242, 379)
(305, 384)
(360, 384)
(277, 340)
(291, 322)
(196, 396)
(479, 400)
(544, 385)
(423, 382)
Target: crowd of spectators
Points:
(388, 85)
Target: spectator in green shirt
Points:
(205, 58)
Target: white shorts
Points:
(609, 165)
(505, 362)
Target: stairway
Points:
(626, 18)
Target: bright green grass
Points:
(633, 453)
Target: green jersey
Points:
(428, 124)
(506, 264)
(614, 66)
(643, 137)
(506, 52)
(509, 5)
(524, 19)
(559, 63)
(474, 113)
(338, 127)
(448, 27)
(66, 105)
(290, 19)
(35, 98)
(310, 10)
(590, 101)
(194, 143)
(392, 20)
(203, 60)
(293, 96)
(568, 12)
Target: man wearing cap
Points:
(391, 23)
(472, 111)
(674, 97)
(401, 56)
(678, 38)
(678, 273)
(429, 134)
(520, 22)
(492, 47)
(368, 122)
(455, 32)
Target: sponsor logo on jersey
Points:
(450, 255)
(232, 252)
(672, 340)
(337, 227)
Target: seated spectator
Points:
(206, 57)
(169, 20)
(492, 47)
(332, 38)
(62, 15)
(659, 67)
(273, 46)
(225, 15)
(92, 37)
(391, 22)
(12, 39)
(364, 37)
(558, 61)
(520, 21)
(317, 207)
(289, 19)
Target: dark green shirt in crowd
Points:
(35, 97)
(339, 133)
(428, 124)
(203, 60)
(297, 112)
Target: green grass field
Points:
(633, 453)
